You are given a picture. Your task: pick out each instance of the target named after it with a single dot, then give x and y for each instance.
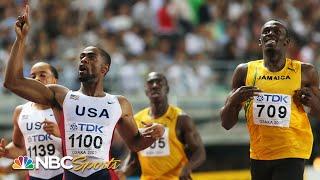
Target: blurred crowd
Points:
(182, 38)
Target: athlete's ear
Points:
(145, 89)
(105, 69)
(260, 42)
(54, 80)
(286, 42)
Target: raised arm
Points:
(15, 81)
(192, 140)
(240, 93)
(128, 129)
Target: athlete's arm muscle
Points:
(192, 140)
(16, 147)
(230, 111)
(240, 93)
(310, 89)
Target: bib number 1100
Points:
(272, 111)
(85, 141)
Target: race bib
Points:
(272, 109)
(160, 147)
(38, 144)
(86, 139)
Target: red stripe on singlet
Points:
(62, 133)
(112, 173)
(27, 176)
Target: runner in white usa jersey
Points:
(89, 123)
(36, 132)
(94, 65)
(38, 142)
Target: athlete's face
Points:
(274, 36)
(90, 67)
(156, 87)
(42, 72)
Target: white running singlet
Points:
(39, 143)
(89, 123)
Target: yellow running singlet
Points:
(278, 128)
(165, 158)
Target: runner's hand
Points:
(152, 130)
(22, 24)
(244, 93)
(305, 96)
(3, 151)
(51, 128)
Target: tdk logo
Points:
(260, 98)
(272, 98)
(73, 127)
(91, 112)
(40, 138)
(86, 127)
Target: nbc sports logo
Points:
(78, 163)
(23, 162)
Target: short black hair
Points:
(160, 75)
(105, 55)
(54, 71)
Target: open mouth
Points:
(155, 93)
(82, 68)
(270, 42)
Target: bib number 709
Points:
(272, 111)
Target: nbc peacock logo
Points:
(23, 162)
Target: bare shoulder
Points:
(18, 108)
(309, 75)
(16, 113)
(239, 75)
(56, 88)
(59, 92)
(241, 69)
(242, 66)
(185, 121)
(308, 68)
(184, 117)
(122, 100)
(125, 105)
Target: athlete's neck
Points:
(274, 62)
(92, 89)
(159, 109)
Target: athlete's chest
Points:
(285, 82)
(92, 109)
(31, 121)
